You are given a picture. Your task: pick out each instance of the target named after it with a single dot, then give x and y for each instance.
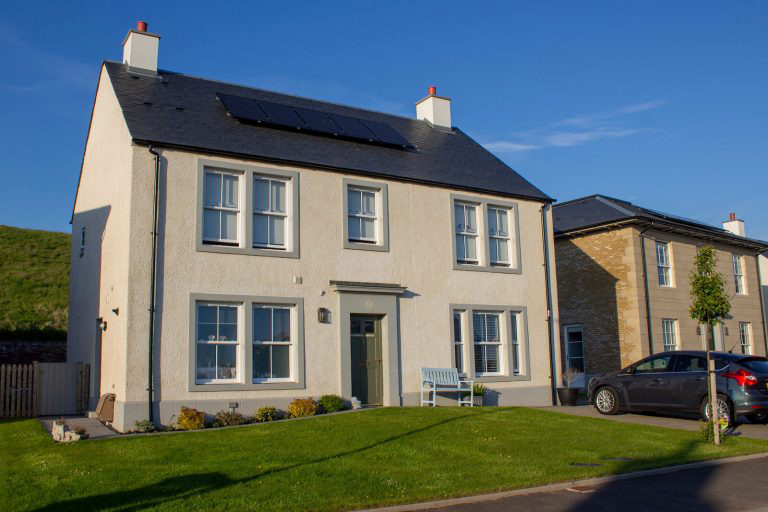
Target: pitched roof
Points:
(176, 110)
(597, 210)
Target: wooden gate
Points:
(44, 389)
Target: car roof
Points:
(717, 354)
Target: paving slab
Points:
(94, 428)
(741, 429)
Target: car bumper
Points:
(751, 407)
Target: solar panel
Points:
(318, 121)
(282, 115)
(386, 133)
(243, 109)
(353, 128)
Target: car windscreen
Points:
(758, 365)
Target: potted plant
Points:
(478, 392)
(568, 395)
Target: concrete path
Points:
(734, 486)
(742, 429)
(94, 428)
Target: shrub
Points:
(191, 419)
(265, 414)
(302, 407)
(228, 419)
(332, 403)
(144, 426)
(478, 389)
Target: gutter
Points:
(152, 291)
(762, 304)
(647, 291)
(550, 323)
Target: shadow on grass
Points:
(185, 486)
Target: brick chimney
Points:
(435, 109)
(140, 49)
(734, 225)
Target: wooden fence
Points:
(44, 389)
(18, 394)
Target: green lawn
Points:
(34, 284)
(344, 461)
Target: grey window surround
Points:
(469, 344)
(483, 248)
(245, 225)
(382, 200)
(245, 304)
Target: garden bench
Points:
(435, 380)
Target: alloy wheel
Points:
(605, 400)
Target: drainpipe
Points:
(550, 323)
(152, 290)
(647, 292)
(762, 304)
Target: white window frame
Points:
(380, 242)
(499, 237)
(245, 380)
(745, 337)
(514, 355)
(271, 343)
(484, 345)
(236, 343)
(484, 207)
(272, 212)
(220, 208)
(664, 266)
(669, 332)
(458, 329)
(738, 274)
(468, 236)
(567, 329)
(246, 183)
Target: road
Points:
(735, 486)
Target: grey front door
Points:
(365, 347)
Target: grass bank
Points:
(379, 457)
(34, 284)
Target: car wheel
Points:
(724, 408)
(607, 401)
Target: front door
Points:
(367, 371)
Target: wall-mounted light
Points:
(323, 315)
(116, 311)
(102, 323)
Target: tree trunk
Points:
(712, 384)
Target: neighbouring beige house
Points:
(623, 287)
(302, 248)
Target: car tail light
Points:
(743, 377)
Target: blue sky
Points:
(660, 103)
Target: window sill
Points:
(366, 246)
(235, 386)
(501, 378)
(486, 268)
(247, 251)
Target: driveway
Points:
(741, 429)
(733, 486)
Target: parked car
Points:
(676, 382)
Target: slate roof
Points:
(598, 210)
(182, 111)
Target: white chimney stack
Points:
(734, 225)
(435, 109)
(140, 49)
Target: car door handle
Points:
(701, 378)
(657, 379)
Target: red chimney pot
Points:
(733, 216)
(142, 26)
(432, 90)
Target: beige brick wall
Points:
(600, 286)
(598, 289)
